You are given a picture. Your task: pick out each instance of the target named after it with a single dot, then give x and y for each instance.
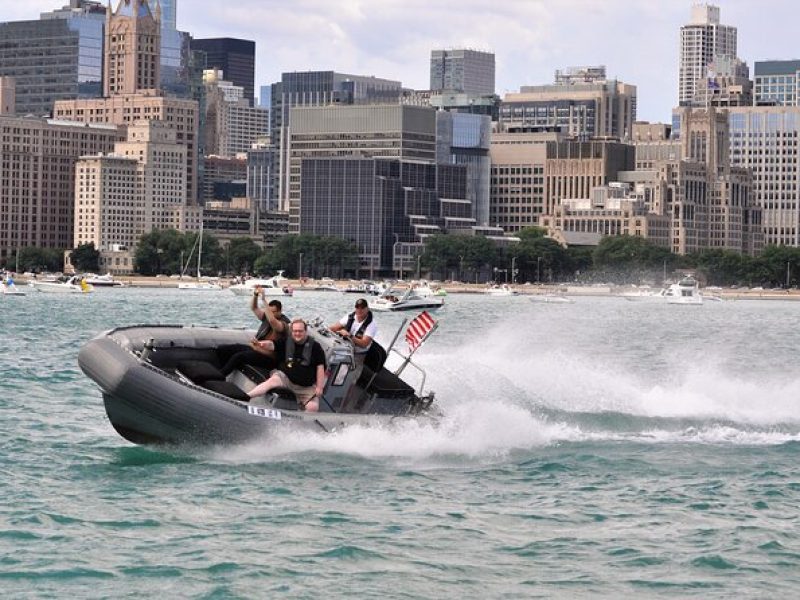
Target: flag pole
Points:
(389, 349)
(422, 341)
(396, 335)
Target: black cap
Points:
(361, 303)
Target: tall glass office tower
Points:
(168, 14)
(57, 57)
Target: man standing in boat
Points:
(360, 328)
(301, 368)
(274, 326)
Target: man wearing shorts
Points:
(301, 367)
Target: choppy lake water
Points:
(601, 448)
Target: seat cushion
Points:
(226, 388)
(199, 371)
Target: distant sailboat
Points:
(198, 284)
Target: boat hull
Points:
(429, 303)
(241, 289)
(58, 288)
(201, 286)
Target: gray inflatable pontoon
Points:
(161, 385)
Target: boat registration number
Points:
(267, 413)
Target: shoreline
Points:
(471, 288)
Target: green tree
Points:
(37, 260)
(241, 255)
(321, 256)
(720, 267)
(626, 258)
(85, 258)
(773, 267)
(160, 251)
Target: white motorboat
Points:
(10, 288)
(423, 288)
(277, 285)
(641, 293)
(499, 290)
(686, 291)
(199, 283)
(73, 285)
(408, 300)
(106, 280)
(552, 299)
(326, 284)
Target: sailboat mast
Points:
(200, 250)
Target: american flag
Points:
(418, 330)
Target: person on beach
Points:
(301, 368)
(274, 326)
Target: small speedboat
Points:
(277, 285)
(639, 293)
(326, 284)
(106, 280)
(161, 385)
(424, 289)
(73, 285)
(552, 299)
(9, 288)
(200, 284)
(499, 290)
(408, 300)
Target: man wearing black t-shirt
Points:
(301, 367)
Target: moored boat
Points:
(552, 299)
(326, 284)
(200, 283)
(106, 280)
(73, 285)
(161, 384)
(277, 285)
(686, 291)
(501, 290)
(391, 300)
(9, 288)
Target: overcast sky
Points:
(637, 40)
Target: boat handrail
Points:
(407, 361)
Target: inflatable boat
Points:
(162, 384)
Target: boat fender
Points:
(351, 319)
(307, 348)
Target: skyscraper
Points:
(777, 83)
(702, 40)
(132, 53)
(385, 130)
(168, 14)
(235, 58)
(583, 106)
(57, 57)
(132, 49)
(462, 70)
(232, 125)
(316, 88)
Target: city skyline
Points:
(531, 39)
